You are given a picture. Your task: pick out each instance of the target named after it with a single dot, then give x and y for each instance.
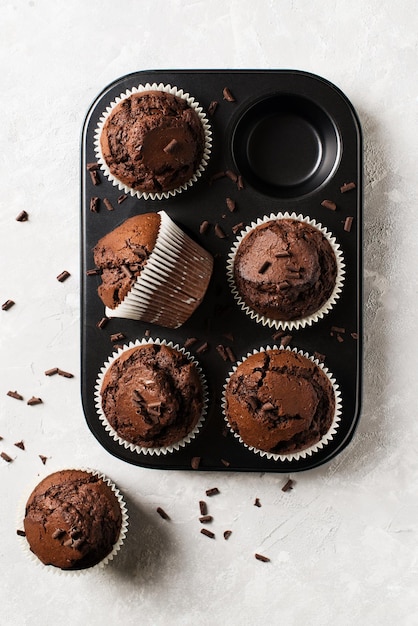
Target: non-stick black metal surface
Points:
(296, 140)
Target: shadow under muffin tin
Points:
(295, 139)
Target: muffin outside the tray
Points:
(279, 401)
(74, 520)
(152, 271)
(153, 141)
(286, 269)
(152, 396)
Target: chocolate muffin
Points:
(279, 401)
(152, 271)
(73, 520)
(285, 269)
(153, 141)
(152, 395)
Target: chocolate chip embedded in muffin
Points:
(72, 520)
(285, 269)
(279, 401)
(153, 141)
(152, 395)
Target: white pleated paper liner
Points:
(296, 323)
(206, 151)
(311, 450)
(75, 572)
(173, 282)
(163, 450)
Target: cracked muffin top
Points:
(279, 401)
(153, 141)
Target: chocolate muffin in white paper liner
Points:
(173, 282)
(199, 169)
(297, 322)
(302, 453)
(138, 399)
(58, 534)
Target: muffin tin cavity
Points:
(282, 142)
(285, 145)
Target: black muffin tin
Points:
(296, 140)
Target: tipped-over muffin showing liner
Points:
(275, 405)
(262, 266)
(146, 142)
(75, 520)
(152, 271)
(151, 397)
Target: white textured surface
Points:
(343, 543)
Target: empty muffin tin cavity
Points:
(285, 145)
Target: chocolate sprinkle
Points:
(225, 462)
(91, 167)
(7, 305)
(230, 203)
(264, 267)
(240, 183)
(117, 337)
(238, 227)
(205, 519)
(288, 485)
(93, 272)
(102, 323)
(43, 458)
(6, 457)
(20, 444)
(51, 372)
(21, 533)
(212, 492)
(207, 532)
(261, 557)
(122, 198)
(63, 276)
(95, 178)
(228, 95)
(348, 224)
(286, 340)
(231, 175)
(231, 355)
(162, 513)
(65, 374)
(329, 204)
(190, 341)
(195, 462)
(22, 217)
(171, 146)
(337, 329)
(109, 206)
(58, 533)
(257, 502)
(32, 401)
(219, 232)
(347, 187)
(203, 507)
(15, 395)
(212, 107)
(204, 226)
(354, 335)
(220, 349)
(217, 176)
(203, 348)
(227, 534)
(94, 204)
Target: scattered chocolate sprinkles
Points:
(319, 356)
(203, 348)
(6, 457)
(288, 485)
(171, 146)
(7, 305)
(65, 374)
(230, 353)
(204, 226)
(231, 175)
(278, 334)
(93, 272)
(117, 337)
(240, 182)
(208, 533)
(102, 323)
(122, 198)
(212, 107)
(337, 329)
(190, 341)
(20, 444)
(217, 176)
(205, 519)
(63, 276)
(21, 533)
(329, 204)
(94, 204)
(162, 513)
(347, 187)
(203, 507)
(51, 372)
(286, 340)
(225, 462)
(212, 492)
(354, 335)
(264, 267)
(95, 178)
(238, 227)
(109, 206)
(228, 95)
(348, 223)
(32, 401)
(219, 232)
(195, 462)
(261, 557)
(220, 349)
(15, 395)
(43, 458)
(91, 167)
(227, 534)
(22, 217)
(257, 502)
